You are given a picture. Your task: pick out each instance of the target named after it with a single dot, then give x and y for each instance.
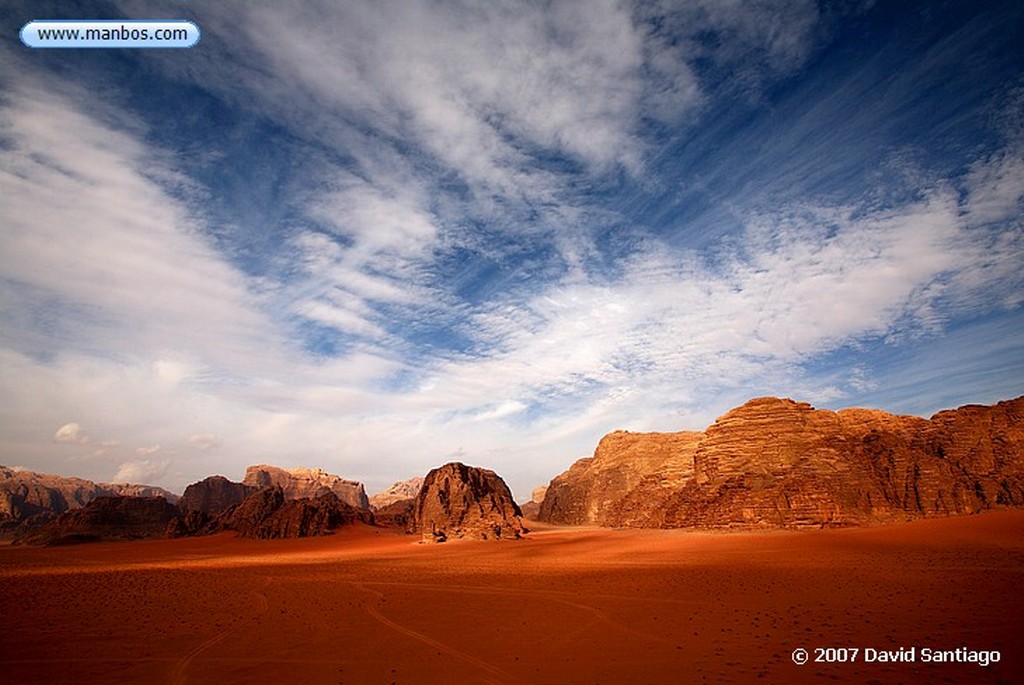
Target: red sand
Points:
(562, 606)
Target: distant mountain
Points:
(531, 509)
(776, 462)
(302, 483)
(28, 495)
(271, 502)
(404, 490)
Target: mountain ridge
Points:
(777, 462)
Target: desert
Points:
(555, 342)
(561, 605)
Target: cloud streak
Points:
(389, 233)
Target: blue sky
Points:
(378, 236)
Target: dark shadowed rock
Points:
(214, 495)
(304, 483)
(107, 518)
(459, 501)
(192, 522)
(267, 514)
(395, 515)
(776, 462)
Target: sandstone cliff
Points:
(396, 515)
(593, 490)
(776, 462)
(106, 518)
(459, 501)
(531, 509)
(214, 495)
(302, 483)
(404, 490)
(268, 514)
(28, 498)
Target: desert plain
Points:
(562, 605)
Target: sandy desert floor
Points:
(562, 606)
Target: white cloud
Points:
(801, 283)
(145, 471)
(500, 411)
(104, 448)
(205, 441)
(146, 451)
(71, 433)
(132, 269)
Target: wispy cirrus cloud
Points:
(386, 233)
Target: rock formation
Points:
(593, 489)
(305, 483)
(531, 509)
(776, 462)
(193, 522)
(404, 490)
(214, 495)
(267, 514)
(106, 518)
(459, 501)
(28, 499)
(396, 515)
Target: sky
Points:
(375, 237)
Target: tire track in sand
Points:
(550, 595)
(502, 676)
(178, 676)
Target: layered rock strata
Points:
(776, 462)
(595, 490)
(303, 483)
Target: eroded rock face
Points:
(107, 518)
(531, 509)
(396, 515)
(214, 495)
(268, 514)
(594, 489)
(459, 501)
(303, 483)
(776, 462)
(404, 490)
(29, 499)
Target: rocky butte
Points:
(214, 495)
(777, 462)
(302, 483)
(459, 501)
